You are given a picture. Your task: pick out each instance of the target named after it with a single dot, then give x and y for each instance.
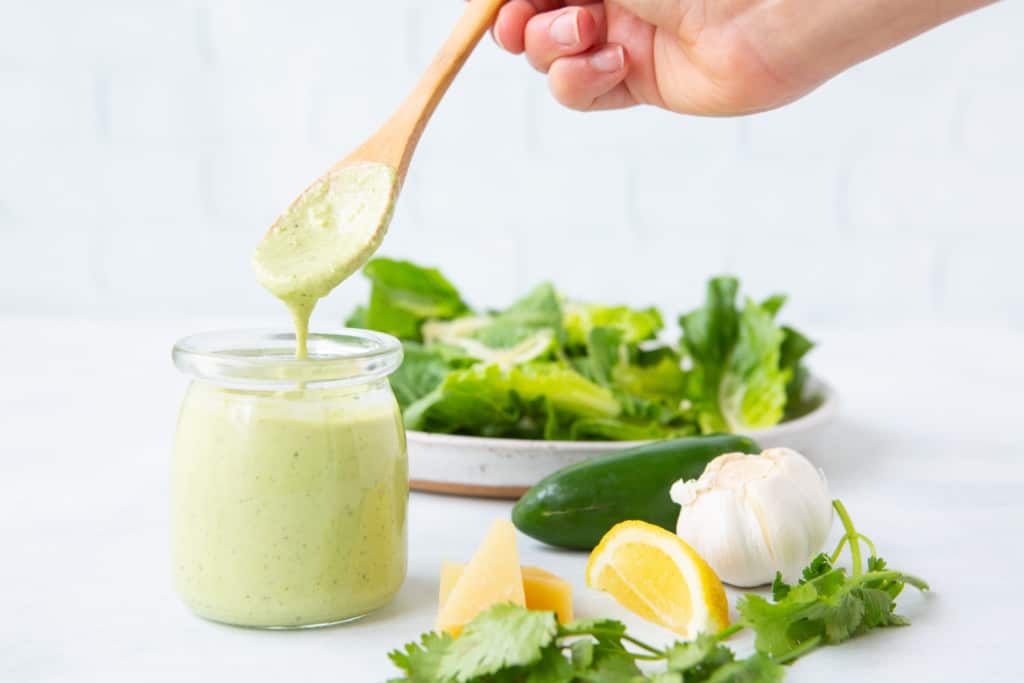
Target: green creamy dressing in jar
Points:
(288, 509)
(289, 474)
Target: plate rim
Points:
(823, 413)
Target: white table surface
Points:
(927, 454)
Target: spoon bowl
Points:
(328, 232)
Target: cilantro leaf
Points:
(582, 654)
(840, 615)
(502, 636)
(754, 669)
(879, 609)
(780, 589)
(781, 627)
(422, 662)
(819, 566)
(664, 677)
(604, 659)
(553, 667)
(697, 667)
(769, 622)
(611, 665)
(510, 644)
(607, 632)
(877, 564)
(698, 657)
(827, 605)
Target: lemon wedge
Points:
(656, 575)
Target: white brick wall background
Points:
(145, 146)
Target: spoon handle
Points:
(395, 142)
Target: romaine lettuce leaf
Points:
(544, 368)
(794, 347)
(534, 400)
(774, 304)
(539, 310)
(605, 351)
(421, 372)
(736, 382)
(404, 295)
(475, 400)
(651, 375)
(663, 380)
(710, 332)
(423, 369)
(450, 331)
(636, 325)
(752, 393)
(357, 318)
(566, 390)
(538, 346)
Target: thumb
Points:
(666, 14)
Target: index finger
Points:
(510, 27)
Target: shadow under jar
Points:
(289, 478)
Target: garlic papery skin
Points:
(750, 516)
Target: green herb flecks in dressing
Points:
(288, 509)
(327, 234)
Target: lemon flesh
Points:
(657, 576)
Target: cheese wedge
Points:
(491, 577)
(543, 590)
(451, 572)
(547, 592)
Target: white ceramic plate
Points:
(505, 468)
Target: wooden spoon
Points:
(337, 223)
(396, 141)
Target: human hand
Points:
(726, 57)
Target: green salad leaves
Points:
(511, 644)
(551, 368)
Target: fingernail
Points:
(497, 34)
(609, 59)
(565, 29)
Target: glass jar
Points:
(289, 478)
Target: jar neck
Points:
(261, 360)
(298, 392)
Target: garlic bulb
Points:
(749, 516)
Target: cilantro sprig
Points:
(507, 643)
(510, 644)
(827, 606)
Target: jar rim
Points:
(265, 359)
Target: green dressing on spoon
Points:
(327, 234)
